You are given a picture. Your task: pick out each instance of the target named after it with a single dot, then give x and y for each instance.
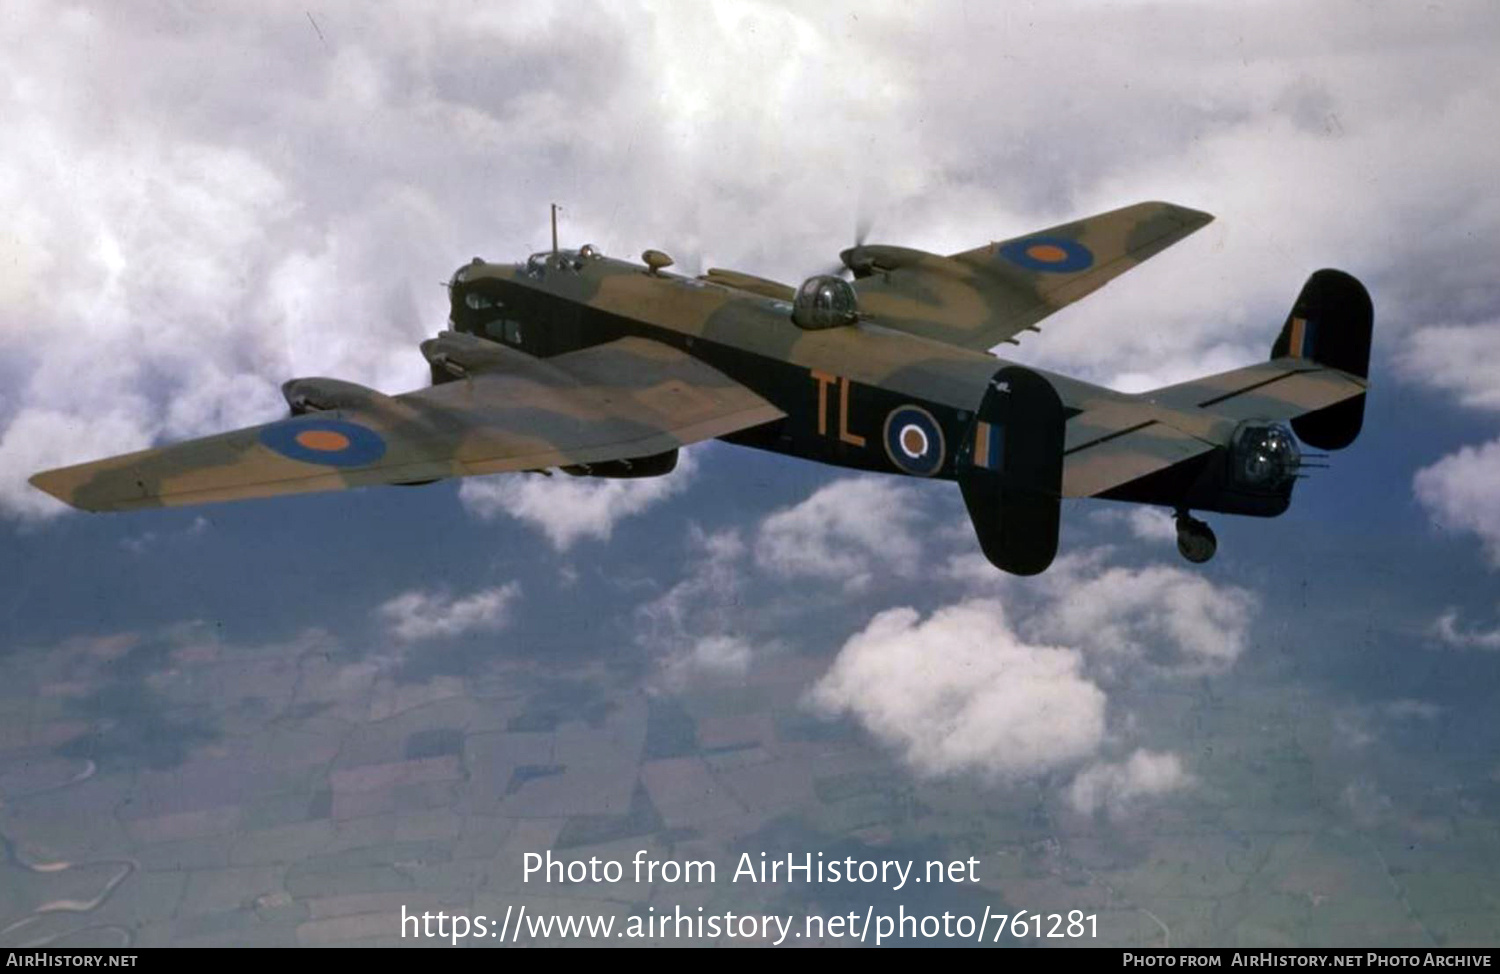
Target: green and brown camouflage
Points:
(602, 366)
(983, 297)
(629, 397)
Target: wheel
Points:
(1195, 540)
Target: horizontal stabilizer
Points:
(1113, 443)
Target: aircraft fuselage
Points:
(861, 396)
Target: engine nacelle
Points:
(318, 394)
(1263, 457)
(867, 259)
(654, 465)
(824, 301)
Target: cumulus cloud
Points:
(846, 531)
(1463, 360)
(1167, 615)
(715, 655)
(1118, 787)
(1144, 523)
(960, 692)
(1299, 146)
(696, 629)
(1173, 619)
(416, 616)
(1015, 680)
(569, 509)
(1461, 493)
(39, 438)
(267, 200)
(1451, 632)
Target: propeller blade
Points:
(862, 227)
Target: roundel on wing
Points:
(1052, 255)
(329, 442)
(914, 441)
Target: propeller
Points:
(845, 268)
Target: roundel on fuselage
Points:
(914, 441)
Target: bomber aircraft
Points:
(601, 367)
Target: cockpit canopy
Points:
(539, 263)
(824, 302)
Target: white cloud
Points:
(717, 655)
(1460, 359)
(418, 615)
(1023, 689)
(846, 531)
(1119, 787)
(973, 571)
(1297, 143)
(1462, 494)
(959, 692)
(188, 239)
(696, 629)
(1144, 523)
(1172, 620)
(39, 438)
(1448, 629)
(1170, 617)
(146, 249)
(569, 509)
(712, 582)
(171, 232)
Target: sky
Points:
(1291, 744)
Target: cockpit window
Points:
(538, 264)
(504, 330)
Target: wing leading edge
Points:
(621, 400)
